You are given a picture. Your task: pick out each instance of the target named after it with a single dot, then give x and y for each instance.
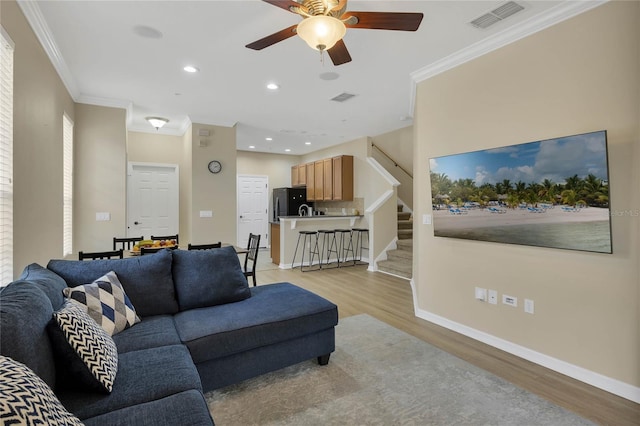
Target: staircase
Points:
(400, 261)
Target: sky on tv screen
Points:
(553, 159)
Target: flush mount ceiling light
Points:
(157, 122)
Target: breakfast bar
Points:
(284, 234)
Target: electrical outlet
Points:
(510, 300)
(481, 294)
(528, 306)
(493, 297)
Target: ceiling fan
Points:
(325, 22)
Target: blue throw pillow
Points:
(146, 279)
(208, 277)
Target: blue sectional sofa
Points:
(201, 328)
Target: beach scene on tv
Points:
(551, 193)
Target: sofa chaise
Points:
(196, 326)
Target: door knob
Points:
(136, 223)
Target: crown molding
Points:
(32, 12)
(546, 19)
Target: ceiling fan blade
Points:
(283, 4)
(339, 54)
(273, 38)
(399, 21)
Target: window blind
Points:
(67, 185)
(6, 159)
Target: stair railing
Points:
(395, 163)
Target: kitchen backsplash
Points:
(335, 207)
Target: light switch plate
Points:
(426, 219)
(206, 213)
(510, 300)
(103, 216)
(493, 297)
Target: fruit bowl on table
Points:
(152, 244)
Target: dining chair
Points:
(204, 246)
(252, 255)
(166, 237)
(117, 254)
(126, 242)
(150, 250)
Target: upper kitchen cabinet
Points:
(298, 175)
(327, 165)
(311, 183)
(342, 167)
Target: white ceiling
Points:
(102, 59)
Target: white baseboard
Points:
(600, 381)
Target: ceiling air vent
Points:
(342, 97)
(497, 15)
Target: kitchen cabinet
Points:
(327, 179)
(275, 243)
(342, 178)
(311, 184)
(298, 175)
(318, 171)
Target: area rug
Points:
(379, 375)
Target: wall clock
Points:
(214, 166)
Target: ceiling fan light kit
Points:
(325, 23)
(321, 32)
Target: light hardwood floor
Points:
(389, 299)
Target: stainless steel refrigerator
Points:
(287, 201)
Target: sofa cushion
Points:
(147, 280)
(50, 282)
(151, 332)
(25, 311)
(86, 351)
(184, 408)
(106, 302)
(143, 376)
(27, 400)
(208, 277)
(274, 313)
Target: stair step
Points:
(405, 224)
(406, 244)
(404, 215)
(400, 255)
(396, 268)
(405, 234)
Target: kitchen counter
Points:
(291, 225)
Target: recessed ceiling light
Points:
(191, 68)
(287, 150)
(307, 143)
(272, 86)
(252, 147)
(268, 139)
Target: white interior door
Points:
(152, 199)
(253, 208)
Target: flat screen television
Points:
(549, 193)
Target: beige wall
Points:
(398, 145)
(276, 166)
(100, 171)
(579, 76)
(40, 100)
(215, 192)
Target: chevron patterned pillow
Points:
(95, 352)
(27, 400)
(106, 302)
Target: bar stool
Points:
(313, 248)
(345, 245)
(357, 236)
(329, 245)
